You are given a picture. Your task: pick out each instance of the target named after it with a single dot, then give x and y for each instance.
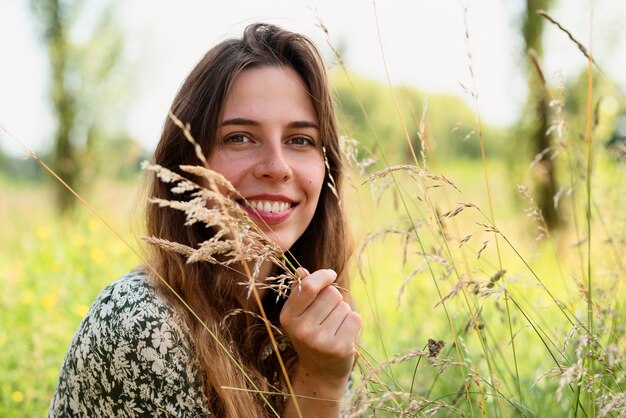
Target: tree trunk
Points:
(545, 171)
(53, 14)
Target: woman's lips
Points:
(268, 211)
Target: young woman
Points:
(261, 111)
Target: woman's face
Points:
(268, 146)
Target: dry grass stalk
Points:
(235, 312)
(382, 233)
(415, 405)
(421, 267)
(460, 285)
(428, 260)
(482, 248)
(421, 174)
(452, 213)
(236, 238)
(238, 229)
(552, 20)
(186, 128)
(331, 184)
(465, 240)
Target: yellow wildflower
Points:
(43, 233)
(80, 309)
(17, 396)
(97, 255)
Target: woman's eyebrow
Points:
(239, 121)
(303, 124)
(250, 122)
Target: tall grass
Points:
(51, 270)
(471, 305)
(494, 298)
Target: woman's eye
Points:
(237, 139)
(301, 140)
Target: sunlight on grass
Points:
(52, 271)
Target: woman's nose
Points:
(272, 164)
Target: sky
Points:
(423, 42)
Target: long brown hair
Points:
(210, 290)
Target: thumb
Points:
(302, 272)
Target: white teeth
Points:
(267, 206)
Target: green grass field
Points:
(514, 342)
(51, 272)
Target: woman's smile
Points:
(269, 209)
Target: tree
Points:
(84, 80)
(538, 106)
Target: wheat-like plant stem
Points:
(417, 164)
(591, 344)
(545, 344)
(407, 136)
(488, 190)
(378, 379)
(365, 114)
(413, 226)
(372, 300)
(266, 322)
(393, 96)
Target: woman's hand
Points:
(322, 328)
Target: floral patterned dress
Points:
(130, 357)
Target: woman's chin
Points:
(281, 242)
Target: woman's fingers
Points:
(306, 291)
(316, 314)
(340, 329)
(335, 319)
(350, 326)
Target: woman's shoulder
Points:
(132, 294)
(129, 287)
(130, 356)
(128, 307)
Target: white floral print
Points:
(130, 357)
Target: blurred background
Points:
(86, 79)
(86, 85)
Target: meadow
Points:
(472, 304)
(52, 269)
(505, 304)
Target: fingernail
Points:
(302, 272)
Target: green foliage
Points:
(448, 122)
(20, 169)
(608, 104)
(115, 157)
